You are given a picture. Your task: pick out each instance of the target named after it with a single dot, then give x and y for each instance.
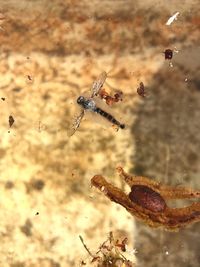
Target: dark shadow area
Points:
(167, 131)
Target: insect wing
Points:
(76, 123)
(97, 85)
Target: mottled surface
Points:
(50, 53)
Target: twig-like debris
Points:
(172, 18)
(82, 241)
(148, 201)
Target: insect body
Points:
(89, 104)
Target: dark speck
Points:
(168, 54)
(11, 120)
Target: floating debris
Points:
(29, 79)
(110, 253)
(11, 121)
(110, 100)
(141, 90)
(168, 54)
(3, 98)
(172, 18)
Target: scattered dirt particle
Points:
(11, 120)
(168, 54)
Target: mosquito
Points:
(89, 104)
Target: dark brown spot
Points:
(26, 228)
(37, 184)
(11, 120)
(168, 54)
(3, 98)
(141, 90)
(46, 96)
(147, 198)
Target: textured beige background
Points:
(64, 46)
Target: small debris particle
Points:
(37, 213)
(172, 18)
(29, 79)
(3, 98)
(141, 90)
(11, 120)
(168, 54)
(167, 252)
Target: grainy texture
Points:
(51, 51)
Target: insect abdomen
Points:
(109, 117)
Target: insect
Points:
(89, 104)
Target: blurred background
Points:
(52, 51)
